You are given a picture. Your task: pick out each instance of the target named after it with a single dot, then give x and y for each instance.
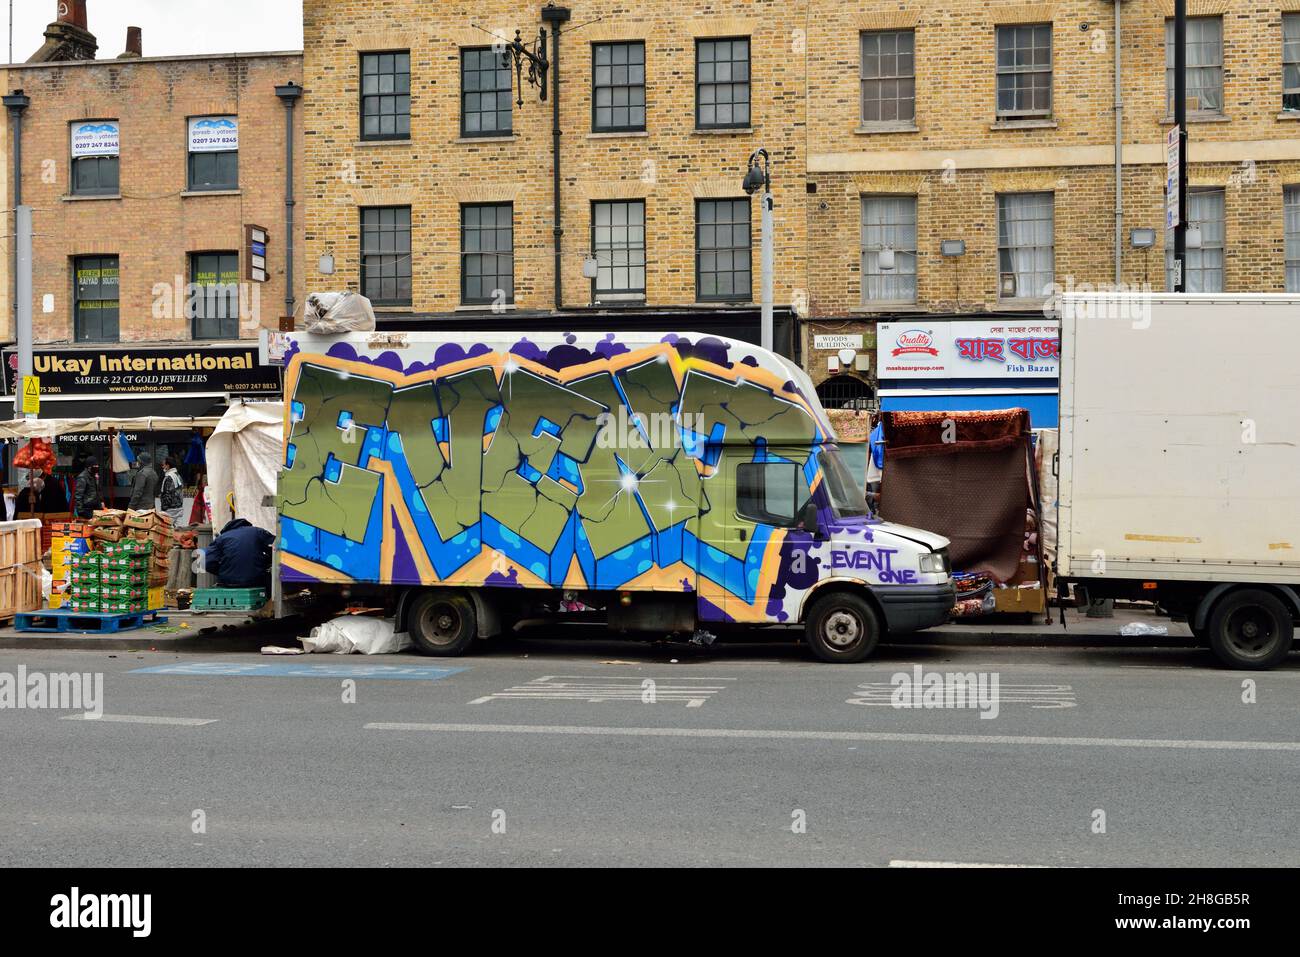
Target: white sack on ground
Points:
(353, 634)
(334, 313)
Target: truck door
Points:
(756, 498)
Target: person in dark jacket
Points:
(145, 487)
(240, 557)
(42, 494)
(87, 496)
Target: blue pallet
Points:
(60, 620)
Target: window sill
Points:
(871, 129)
(725, 131)
(616, 134)
(1023, 305)
(486, 307)
(211, 192)
(1289, 115)
(1199, 118)
(887, 307)
(1039, 123)
(394, 309)
(360, 144)
(486, 139)
(614, 299)
(724, 303)
(74, 198)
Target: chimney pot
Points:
(73, 12)
(134, 42)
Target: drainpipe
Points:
(288, 94)
(17, 103)
(555, 16)
(1119, 149)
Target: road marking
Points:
(628, 688)
(140, 719)
(958, 864)
(979, 740)
(880, 694)
(302, 670)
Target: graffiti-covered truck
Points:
(669, 484)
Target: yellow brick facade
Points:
(957, 157)
(155, 223)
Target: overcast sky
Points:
(170, 26)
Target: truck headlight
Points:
(935, 563)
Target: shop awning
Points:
(1043, 407)
(22, 429)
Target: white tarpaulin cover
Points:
(244, 456)
(49, 428)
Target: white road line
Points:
(958, 864)
(979, 740)
(140, 719)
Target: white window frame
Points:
(1209, 258)
(882, 228)
(1193, 68)
(1007, 249)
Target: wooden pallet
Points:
(85, 622)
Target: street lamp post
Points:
(760, 178)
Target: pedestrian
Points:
(144, 490)
(87, 497)
(171, 497)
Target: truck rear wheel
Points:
(842, 628)
(1250, 629)
(442, 623)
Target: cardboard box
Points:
(1019, 600)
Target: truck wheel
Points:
(1250, 629)
(442, 623)
(842, 628)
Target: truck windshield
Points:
(846, 495)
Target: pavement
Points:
(544, 750)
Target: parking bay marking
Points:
(880, 694)
(285, 670)
(594, 689)
(979, 740)
(140, 719)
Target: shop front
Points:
(926, 365)
(187, 387)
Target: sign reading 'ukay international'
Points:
(78, 372)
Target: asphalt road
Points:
(553, 744)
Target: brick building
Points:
(144, 174)
(892, 126)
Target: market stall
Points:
(47, 455)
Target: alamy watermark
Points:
(53, 691)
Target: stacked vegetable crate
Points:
(68, 539)
(114, 580)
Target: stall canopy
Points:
(23, 429)
(244, 456)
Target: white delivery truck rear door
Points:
(1180, 437)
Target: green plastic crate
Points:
(228, 599)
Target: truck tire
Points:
(842, 628)
(442, 623)
(1250, 629)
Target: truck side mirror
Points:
(808, 517)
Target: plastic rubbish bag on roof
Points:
(334, 313)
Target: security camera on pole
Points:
(759, 177)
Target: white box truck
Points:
(666, 482)
(1180, 462)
